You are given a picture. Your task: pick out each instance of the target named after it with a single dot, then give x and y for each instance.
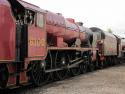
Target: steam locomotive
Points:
(38, 45)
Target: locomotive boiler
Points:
(61, 29)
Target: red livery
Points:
(7, 32)
(38, 45)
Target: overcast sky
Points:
(100, 13)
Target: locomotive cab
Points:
(30, 30)
(123, 47)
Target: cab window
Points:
(40, 20)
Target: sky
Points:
(104, 14)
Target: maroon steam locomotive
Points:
(37, 45)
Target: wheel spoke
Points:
(38, 74)
(60, 61)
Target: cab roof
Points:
(30, 6)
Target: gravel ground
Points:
(107, 81)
